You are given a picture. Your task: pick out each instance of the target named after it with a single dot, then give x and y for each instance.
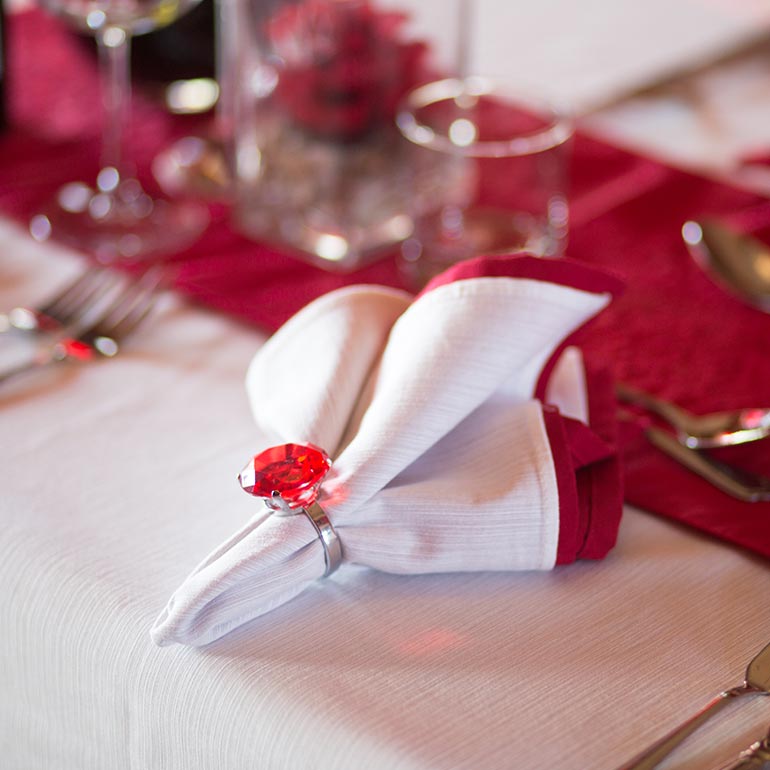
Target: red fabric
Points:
(673, 332)
(588, 474)
(599, 477)
(571, 517)
(564, 272)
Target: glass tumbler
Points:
(504, 161)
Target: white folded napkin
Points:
(443, 458)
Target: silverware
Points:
(756, 756)
(702, 431)
(98, 334)
(741, 484)
(65, 307)
(738, 262)
(757, 682)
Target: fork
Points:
(65, 307)
(100, 333)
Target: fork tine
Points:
(136, 315)
(87, 288)
(72, 289)
(128, 309)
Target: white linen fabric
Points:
(441, 458)
(102, 498)
(116, 473)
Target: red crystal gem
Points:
(294, 471)
(75, 349)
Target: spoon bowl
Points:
(702, 431)
(737, 262)
(757, 682)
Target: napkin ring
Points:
(318, 518)
(288, 478)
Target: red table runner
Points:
(673, 332)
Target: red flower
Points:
(344, 65)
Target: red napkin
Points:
(673, 332)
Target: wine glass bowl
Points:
(115, 219)
(134, 17)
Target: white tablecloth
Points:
(117, 477)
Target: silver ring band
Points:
(318, 518)
(326, 534)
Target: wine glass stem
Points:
(114, 46)
(464, 37)
(227, 25)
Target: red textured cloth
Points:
(672, 332)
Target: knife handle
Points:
(653, 755)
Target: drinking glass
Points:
(116, 219)
(322, 172)
(199, 166)
(503, 157)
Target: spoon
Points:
(702, 431)
(757, 682)
(738, 262)
(736, 482)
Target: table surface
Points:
(117, 478)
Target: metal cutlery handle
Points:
(29, 366)
(702, 431)
(658, 751)
(671, 413)
(753, 762)
(739, 484)
(756, 757)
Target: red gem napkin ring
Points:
(288, 478)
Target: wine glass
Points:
(116, 219)
(200, 166)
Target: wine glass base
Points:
(478, 231)
(195, 167)
(124, 225)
